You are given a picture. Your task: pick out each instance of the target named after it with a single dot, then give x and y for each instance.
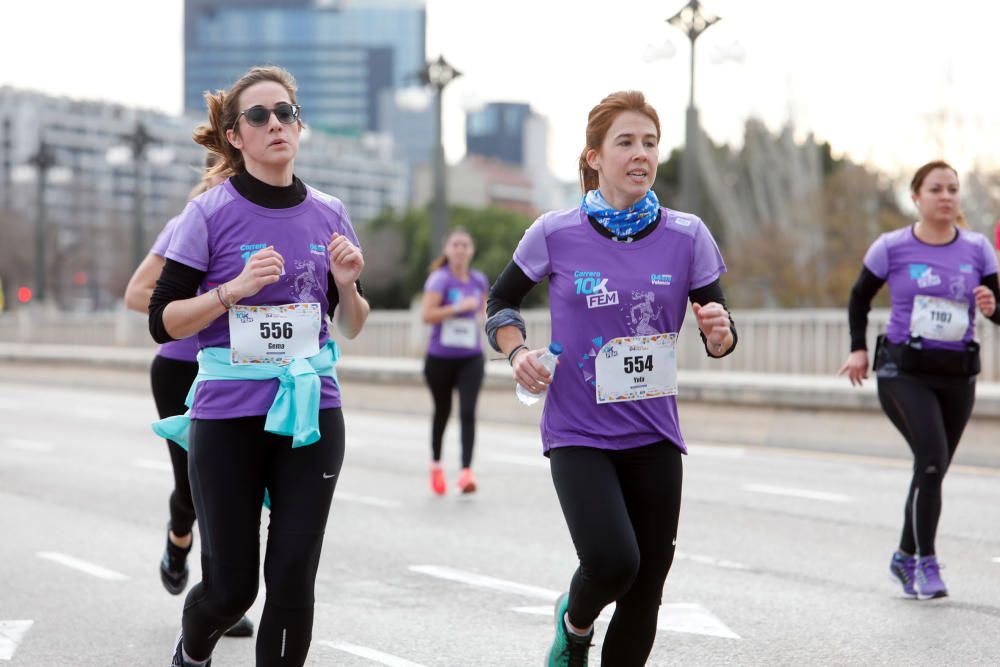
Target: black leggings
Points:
(443, 375)
(622, 509)
(231, 462)
(931, 412)
(171, 380)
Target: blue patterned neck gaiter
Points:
(627, 222)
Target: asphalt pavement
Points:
(782, 552)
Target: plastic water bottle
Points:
(548, 359)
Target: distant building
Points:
(344, 54)
(499, 131)
(511, 133)
(479, 182)
(90, 198)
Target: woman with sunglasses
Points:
(173, 370)
(270, 256)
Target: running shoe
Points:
(242, 628)
(568, 650)
(903, 569)
(467, 481)
(173, 566)
(178, 659)
(929, 583)
(437, 479)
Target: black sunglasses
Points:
(259, 115)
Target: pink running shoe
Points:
(437, 479)
(467, 481)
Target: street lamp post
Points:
(138, 141)
(692, 21)
(43, 160)
(439, 74)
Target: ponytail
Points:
(213, 137)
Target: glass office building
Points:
(499, 130)
(343, 53)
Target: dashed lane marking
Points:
(676, 617)
(371, 654)
(537, 461)
(29, 445)
(710, 560)
(365, 500)
(690, 618)
(11, 635)
(482, 581)
(83, 566)
(151, 464)
(798, 493)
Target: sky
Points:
(891, 83)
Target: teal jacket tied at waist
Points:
(295, 410)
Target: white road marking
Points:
(371, 654)
(93, 413)
(29, 445)
(710, 560)
(11, 634)
(717, 451)
(677, 617)
(10, 404)
(537, 461)
(798, 493)
(365, 500)
(482, 581)
(83, 566)
(151, 464)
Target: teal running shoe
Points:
(568, 650)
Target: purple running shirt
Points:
(915, 269)
(185, 349)
(217, 233)
(452, 290)
(601, 289)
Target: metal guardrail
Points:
(813, 341)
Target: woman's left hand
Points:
(713, 320)
(985, 300)
(346, 261)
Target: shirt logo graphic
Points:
(595, 288)
(965, 268)
(924, 275)
(660, 279)
(248, 250)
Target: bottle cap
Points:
(555, 348)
